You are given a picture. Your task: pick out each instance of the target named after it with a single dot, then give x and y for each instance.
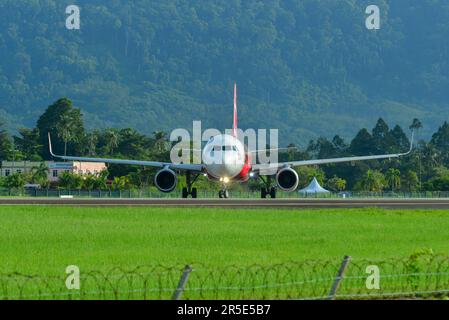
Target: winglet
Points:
(49, 146)
(412, 140)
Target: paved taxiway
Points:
(239, 203)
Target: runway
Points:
(236, 203)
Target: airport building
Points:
(55, 169)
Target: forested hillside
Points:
(308, 67)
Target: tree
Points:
(89, 181)
(373, 181)
(381, 136)
(362, 144)
(101, 180)
(416, 124)
(28, 144)
(393, 178)
(15, 181)
(112, 140)
(336, 184)
(121, 183)
(161, 141)
(66, 127)
(306, 174)
(92, 141)
(39, 174)
(411, 180)
(95, 181)
(65, 123)
(6, 147)
(399, 141)
(339, 144)
(70, 181)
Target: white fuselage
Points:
(224, 157)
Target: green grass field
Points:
(44, 240)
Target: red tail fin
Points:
(234, 126)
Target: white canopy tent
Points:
(313, 188)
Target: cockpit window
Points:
(223, 148)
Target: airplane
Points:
(227, 160)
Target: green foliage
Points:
(14, 181)
(70, 181)
(373, 181)
(393, 178)
(306, 175)
(6, 151)
(158, 65)
(121, 183)
(64, 123)
(440, 180)
(28, 144)
(417, 263)
(422, 169)
(39, 175)
(336, 184)
(410, 181)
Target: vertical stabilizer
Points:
(234, 125)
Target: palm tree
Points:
(161, 142)
(40, 174)
(92, 140)
(373, 181)
(65, 128)
(393, 178)
(416, 125)
(112, 137)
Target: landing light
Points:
(225, 179)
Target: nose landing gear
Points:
(223, 194)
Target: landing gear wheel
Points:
(273, 193)
(194, 193)
(263, 193)
(189, 190)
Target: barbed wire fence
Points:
(417, 277)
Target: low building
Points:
(55, 169)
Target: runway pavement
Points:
(238, 203)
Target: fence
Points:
(205, 194)
(414, 277)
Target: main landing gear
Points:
(267, 189)
(190, 191)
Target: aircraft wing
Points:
(156, 164)
(268, 168)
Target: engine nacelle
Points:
(287, 179)
(166, 180)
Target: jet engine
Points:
(287, 179)
(166, 180)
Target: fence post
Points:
(339, 278)
(182, 283)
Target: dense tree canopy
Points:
(302, 66)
